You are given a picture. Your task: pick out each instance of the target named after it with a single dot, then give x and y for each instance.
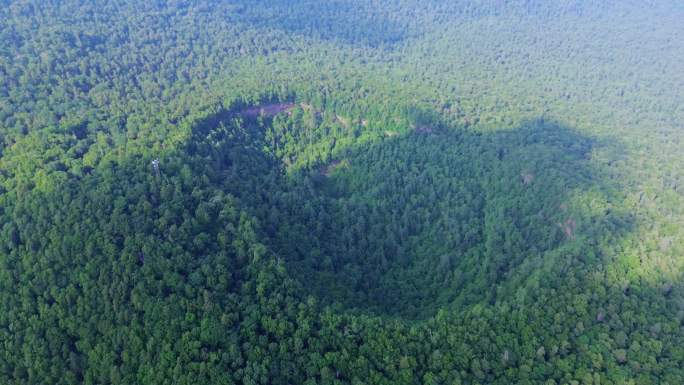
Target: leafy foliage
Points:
(394, 192)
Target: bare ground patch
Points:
(268, 110)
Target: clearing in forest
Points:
(268, 110)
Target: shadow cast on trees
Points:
(402, 226)
(435, 218)
(449, 219)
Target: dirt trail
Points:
(268, 110)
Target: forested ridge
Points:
(342, 192)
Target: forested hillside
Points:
(341, 192)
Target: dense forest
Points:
(341, 192)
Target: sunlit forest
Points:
(281, 192)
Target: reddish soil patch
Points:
(268, 110)
(569, 227)
(328, 169)
(527, 178)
